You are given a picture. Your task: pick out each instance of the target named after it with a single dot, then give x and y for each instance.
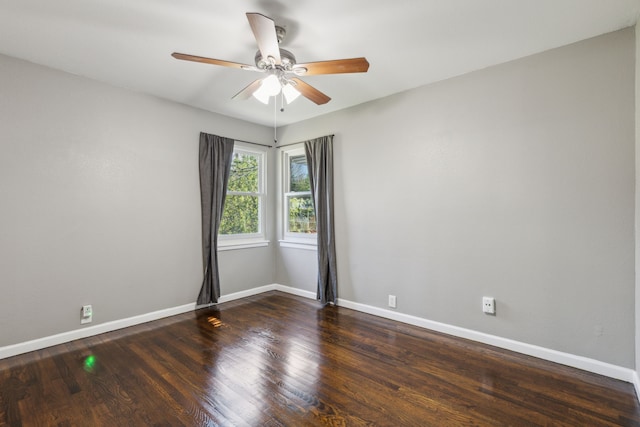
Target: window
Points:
(299, 215)
(243, 217)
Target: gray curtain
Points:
(319, 153)
(216, 156)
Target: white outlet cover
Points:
(86, 314)
(392, 301)
(87, 311)
(489, 305)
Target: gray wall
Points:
(637, 207)
(515, 182)
(100, 203)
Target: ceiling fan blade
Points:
(310, 92)
(264, 30)
(338, 66)
(186, 57)
(248, 91)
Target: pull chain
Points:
(275, 117)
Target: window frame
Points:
(249, 240)
(289, 238)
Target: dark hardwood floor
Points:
(279, 360)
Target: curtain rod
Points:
(270, 146)
(294, 143)
(253, 143)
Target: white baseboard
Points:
(296, 291)
(64, 337)
(584, 363)
(247, 293)
(636, 384)
(580, 362)
(40, 343)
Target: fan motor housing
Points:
(288, 60)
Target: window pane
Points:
(244, 173)
(241, 215)
(302, 218)
(299, 174)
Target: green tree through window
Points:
(242, 205)
(301, 215)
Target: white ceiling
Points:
(408, 43)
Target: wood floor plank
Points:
(279, 360)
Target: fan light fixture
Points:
(272, 86)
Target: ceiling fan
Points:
(281, 66)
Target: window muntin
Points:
(244, 206)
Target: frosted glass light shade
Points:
(290, 93)
(271, 85)
(261, 95)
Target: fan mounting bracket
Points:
(280, 33)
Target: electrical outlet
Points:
(86, 314)
(392, 301)
(489, 305)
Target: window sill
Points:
(231, 246)
(298, 245)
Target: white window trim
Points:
(293, 240)
(295, 245)
(231, 245)
(228, 242)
